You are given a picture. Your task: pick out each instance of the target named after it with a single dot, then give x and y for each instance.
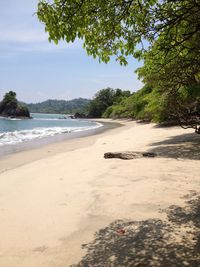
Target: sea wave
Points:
(51, 119)
(9, 138)
(10, 119)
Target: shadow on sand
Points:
(186, 146)
(170, 243)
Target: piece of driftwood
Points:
(149, 154)
(128, 155)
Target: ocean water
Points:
(15, 131)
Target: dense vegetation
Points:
(10, 107)
(130, 107)
(103, 100)
(165, 34)
(60, 106)
(140, 105)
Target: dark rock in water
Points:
(10, 107)
(71, 117)
(78, 115)
(126, 155)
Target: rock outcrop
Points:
(10, 107)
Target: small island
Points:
(11, 108)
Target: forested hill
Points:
(59, 106)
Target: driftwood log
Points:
(128, 155)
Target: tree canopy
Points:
(165, 34)
(10, 97)
(104, 99)
(116, 27)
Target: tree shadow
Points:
(167, 124)
(143, 122)
(186, 146)
(147, 243)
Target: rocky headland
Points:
(10, 107)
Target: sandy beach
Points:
(54, 199)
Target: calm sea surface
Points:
(14, 131)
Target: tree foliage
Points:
(164, 33)
(116, 27)
(10, 99)
(104, 99)
(172, 68)
(133, 106)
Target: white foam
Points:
(51, 119)
(10, 119)
(9, 138)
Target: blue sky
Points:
(38, 70)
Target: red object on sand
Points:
(120, 231)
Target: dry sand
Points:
(54, 199)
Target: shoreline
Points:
(52, 204)
(19, 154)
(40, 142)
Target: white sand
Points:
(51, 202)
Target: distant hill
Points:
(60, 106)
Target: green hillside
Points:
(59, 106)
